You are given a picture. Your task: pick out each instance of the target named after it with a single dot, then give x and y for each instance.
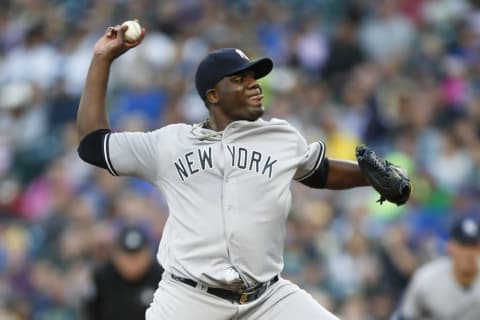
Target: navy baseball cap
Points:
(132, 239)
(465, 230)
(226, 62)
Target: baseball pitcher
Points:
(227, 183)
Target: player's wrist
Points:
(102, 58)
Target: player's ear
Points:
(212, 96)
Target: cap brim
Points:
(467, 241)
(260, 67)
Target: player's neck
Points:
(217, 123)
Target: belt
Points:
(245, 296)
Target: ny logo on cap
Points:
(133, 239)
(470, 227)
(241, 54)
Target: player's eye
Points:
(237, 79)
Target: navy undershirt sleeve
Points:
(318, 179)
(91, 148)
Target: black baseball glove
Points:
(389, 180)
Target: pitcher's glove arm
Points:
(389, 180)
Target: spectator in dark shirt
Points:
(124, 286)
(345, 52)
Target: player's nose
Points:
(252, 83)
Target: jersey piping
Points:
(106, 153)
(320, 156)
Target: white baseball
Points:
(134, 31)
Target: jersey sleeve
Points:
(313, 155)
(132, 154)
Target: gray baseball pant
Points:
(284, 300)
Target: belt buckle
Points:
(244, 297)
(245, 294)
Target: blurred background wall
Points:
(402, 76)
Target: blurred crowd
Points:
(402, 76)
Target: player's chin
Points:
(255, 111)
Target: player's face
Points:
(240, 97)
(465, 257)
(132, 265)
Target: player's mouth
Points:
(257, 96)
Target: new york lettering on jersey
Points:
(242, 158)
(194, 161)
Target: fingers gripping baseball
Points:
(390, 181)
(113, 43)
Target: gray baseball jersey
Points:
(228, 194)
(435, 293)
